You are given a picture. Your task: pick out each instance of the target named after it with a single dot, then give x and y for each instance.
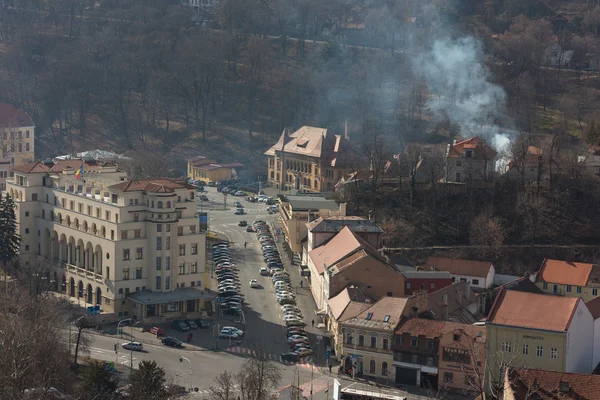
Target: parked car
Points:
(240, 193)
(249, 229)
(180, 326)
(202, 323)
(158, 331)
(204, 197)
(293, 357)
(304, 352)
(264, 271)
(231, 332)
(135, 346)
(233, 311)
(172, 342)
(191, 324)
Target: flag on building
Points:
(79, 171)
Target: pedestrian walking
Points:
(313, 323)
(330, 366)
(301, 283)
(245, 244)
(189, 337)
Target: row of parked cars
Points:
(228, 281)
(228, 284)
(292, 316)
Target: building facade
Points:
(570, 279)
(17, 140)
(297, 211)
(311, 160)
(133, 247)
(425, 281)
(479, 274)
(470, 160)
(208, 170)
(367, 338)
(539, 331)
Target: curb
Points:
(188, 347)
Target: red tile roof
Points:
(594, 307)
(34, 167)
(565, 272)
(150, 185)
(431, 329)
(532, 310)
(537, 384)
(481, 151)
(459, 266)
(10, 117)
(210, 167)
(339, 247)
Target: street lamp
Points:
(181, 358)
(117, 344)
(131, 349)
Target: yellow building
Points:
(296, 211)
(538, 331)
(17, 140)
(311, 160)
(208, 170)
(132, 247)
(367, 337)
(570, 279)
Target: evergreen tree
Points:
(148, 382)
(99, 383)
(9, 238)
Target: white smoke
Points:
(461, 88)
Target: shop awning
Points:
(183, 294)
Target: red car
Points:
(158, 331)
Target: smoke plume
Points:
(461, 89)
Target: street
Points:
(262, 323)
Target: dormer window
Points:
(302, 143)
(369, 316)
(468, 153)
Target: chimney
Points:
(445, 306)
(346, 134)
(453, 142)
(459, 291)
(564, 387)
(287, 131)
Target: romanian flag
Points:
(79, 172)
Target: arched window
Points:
(372, 366)
(384, 370)
(168, 204)
(160, 204)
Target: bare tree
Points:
(224, 387)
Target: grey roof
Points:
(305, 203)
(335, 224)
(427, 274)
(183, 294)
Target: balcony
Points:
(84, 273)
(416, 359)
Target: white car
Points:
(289, 307)
(135, 346)
(231, 332)
(253, 283)
(264, 271)
(288, 318)
(297, 337)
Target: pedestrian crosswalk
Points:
(305, 362)
(123, 357)
(316, 386)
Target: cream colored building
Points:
(297, 211)
(133, 247)
(368, 337)
(312, 160)
(538, 331)
(17, 140)
(570, 279)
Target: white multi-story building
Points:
(133, 247)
